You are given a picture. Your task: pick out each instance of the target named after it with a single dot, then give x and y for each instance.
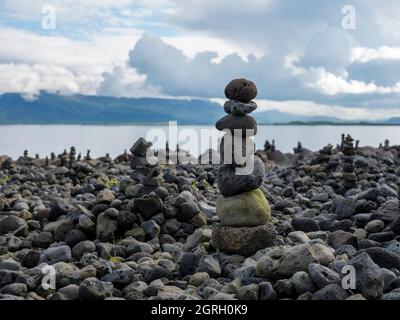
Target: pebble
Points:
(302, 283)
(330, 292)
(56, 254)
(94, 289)
(374, 226)
(370, 281)
(112, 234)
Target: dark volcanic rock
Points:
(140, 147)
(369, 278)
(345, 207)
(330, 292)
(239, 108)
(241, 89)
(245, 241)
(340, 238)
(244, 125)
(384, 258)
(148, 205)
(230, 184)
(305, 224)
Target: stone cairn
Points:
(325, 157)
(147, 170)
(349, 178)
(243, 211)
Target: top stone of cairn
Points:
(140, 147)
(242, 90)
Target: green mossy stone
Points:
(248, 209)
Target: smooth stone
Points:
(238, 125)
(81, 248)
(245, 240)
(15, 289)
(305, 224)
(324, 254)
(71, 291)
(105, 196)
(384, 258)
(302, 282)
(242, 90)
(236, 150)
(230, 183)
(13, 224)
(374, 226)
(56, 254)
(249, 209)
(105, 227)
(381, 236)
(239, 108)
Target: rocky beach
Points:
(113, 232)
(307, 225)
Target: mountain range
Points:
(51, 108)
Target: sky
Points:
(327, 58)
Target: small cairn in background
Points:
(349, 178)
(147, 169)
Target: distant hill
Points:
(275, 116)
(79, 109)
(50, 108)
(393, 121)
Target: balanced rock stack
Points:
(244, 211)
(349, 178)
(146, 167)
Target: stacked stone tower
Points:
(146, 168)
(349, 178)
(243, 211)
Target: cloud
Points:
(123, 81)
(101, 51)
(293, 50)
(174, 73)
(59, 63)
(30, 79)
(66, 11)
(364, 55)
(311, 108)
(330, 84)
(330, 49)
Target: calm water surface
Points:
(43, 139)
